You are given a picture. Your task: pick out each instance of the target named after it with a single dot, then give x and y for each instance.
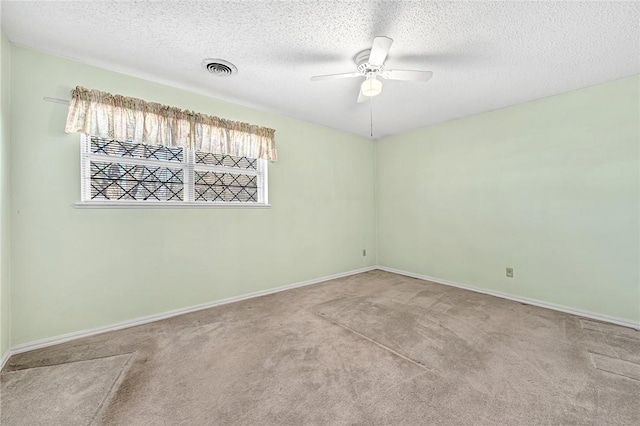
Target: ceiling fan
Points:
(370, 64)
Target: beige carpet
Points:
(374, 348)
(66, 394)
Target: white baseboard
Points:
(56, 340)
(561, 308)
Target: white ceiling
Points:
(484, 55)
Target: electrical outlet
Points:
(364, 252)
(510, 272)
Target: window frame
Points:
(188, 165)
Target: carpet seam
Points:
(66, 362)
(609, 356)
(621, 336)
(388, 349)
(618, 374)
(117, 382)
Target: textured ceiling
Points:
(484, 55)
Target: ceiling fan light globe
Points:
(371, 87)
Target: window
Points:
(127, 173)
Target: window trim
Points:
(166, 205)
(189, 166)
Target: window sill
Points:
(166, 205)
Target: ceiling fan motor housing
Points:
(364, 67)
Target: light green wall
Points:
(550, 188)
(75, 269)
(5, 196)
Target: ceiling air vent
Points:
(220, 67)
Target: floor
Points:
(369, 349)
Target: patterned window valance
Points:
(104, 115)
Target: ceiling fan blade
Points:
(362, 98)
(335, 76)
(379, 50)
(407, 75)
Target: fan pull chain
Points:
(371, 115)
